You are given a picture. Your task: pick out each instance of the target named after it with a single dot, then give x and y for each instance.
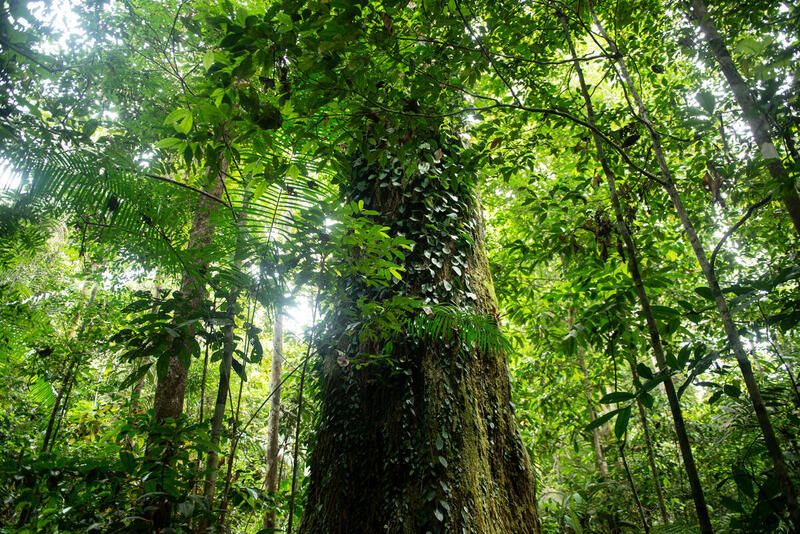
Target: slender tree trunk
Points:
(229, 345)
(295, 454)
(427, 442)
(773, 446)
(66, 386)
(226, 363)
(57, 403)
(270, 519)
(635, 493)
(597, 441)
(698, 496)
(757, 120)
(171, 389)
(650, 453)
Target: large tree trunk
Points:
(428, 442)
(270, 519)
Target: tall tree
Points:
(731, 331)
(417, 433)
(274, 415)
(644, 301)
(755, 117)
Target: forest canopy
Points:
(430, 266)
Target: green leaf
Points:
(617, 396)
(601, 420)
(749, 47)
(644, 371)
(732, 390)
(90, 127)
(239, 369)
(176, 115)
(731, 504)
(704, 292)
(621, 426)
(743, 480)
(186, 508)
(208, 59)
(169, 142)
(707, 101)
(185, 124)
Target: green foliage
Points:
(338, 147)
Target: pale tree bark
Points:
(690, 467)
(270, 519)
(428, 443)
(756, 119)
(780, 468)
(597, 438)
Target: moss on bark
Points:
(428, 443)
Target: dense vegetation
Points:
(374, 266)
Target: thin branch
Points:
(498, 54)
(750, 211)
(485, 52)
(187, 186)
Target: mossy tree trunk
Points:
(422, 439)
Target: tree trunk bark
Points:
(690, 467)
(170, 390)
(650, 453)
(428, 442)
(773, 446)
(270, 518)
(225, 364)
(597, 440)
(759, 125)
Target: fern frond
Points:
(474, 330)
